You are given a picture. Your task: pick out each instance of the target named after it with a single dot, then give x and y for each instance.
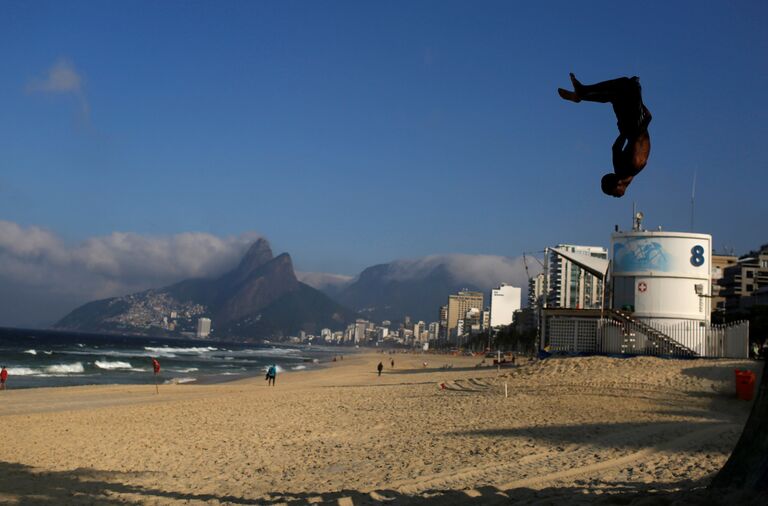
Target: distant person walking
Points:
(271, 375)
(156, 371)
(393, 363)
(380, 367)
(3, 378)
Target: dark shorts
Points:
(632, 115)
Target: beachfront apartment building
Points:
(744, 279)
(505, 300)
(458, 306)
(203, 327)
(719, 263)
(569, 286)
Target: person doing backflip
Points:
(633, 145)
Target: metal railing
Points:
(620, 333)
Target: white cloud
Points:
(120, 263)
(62, 78)
(324, 281)
(482, 271)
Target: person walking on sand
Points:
(379, 368)
(271, 375)
(393, 363)
(156, 371)
(633, 145)
(3, 378)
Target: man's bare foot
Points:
(577, 86)
(568, 95)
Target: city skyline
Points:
(352, 135)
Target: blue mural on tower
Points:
(638, 254)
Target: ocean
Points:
(43, 358)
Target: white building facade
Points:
(203, 327)
(505, 300)
(570, 286)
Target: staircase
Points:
(662, 343)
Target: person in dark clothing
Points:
(633, 145)
(271, 375)
(379, 368)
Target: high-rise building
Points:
(203, 327)
(569, 285)
(443, 322)
(458, 305)
(359, 333)
(719, 263)
(536, 290)
(742, 279)
(505, 300)
(418, 329)
(434, 331)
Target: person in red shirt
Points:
(156, 369)
(3, 378)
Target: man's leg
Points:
(605, 91)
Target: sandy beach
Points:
(589, 429)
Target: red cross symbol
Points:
(642, 287)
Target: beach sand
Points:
(572, 431)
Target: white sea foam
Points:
(75, 368)
(166, 349)
(271, 351)
(179, 381)
(48, 352)
(298, 367)
(31, 352)
(103, 364)
(21, 371)
(188, 369)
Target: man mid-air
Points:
(633, 145)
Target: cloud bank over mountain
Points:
(483, 271)
(42, 277)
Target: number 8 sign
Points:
(697, 256)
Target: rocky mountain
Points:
(419, 287)
(260, 298)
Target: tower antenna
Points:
(693, 198)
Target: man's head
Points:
(612, 185)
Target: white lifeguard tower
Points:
(656, 301)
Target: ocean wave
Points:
(166, 349)
(103, 364)
(31, 352)
(48, 352)
(188, 369)
(21, 371)
(179, 381)
(75, 368)
(271, 351)
(298, 367)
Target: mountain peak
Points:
(258, 254)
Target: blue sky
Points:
(354, 133)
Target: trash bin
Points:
(745, 385)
